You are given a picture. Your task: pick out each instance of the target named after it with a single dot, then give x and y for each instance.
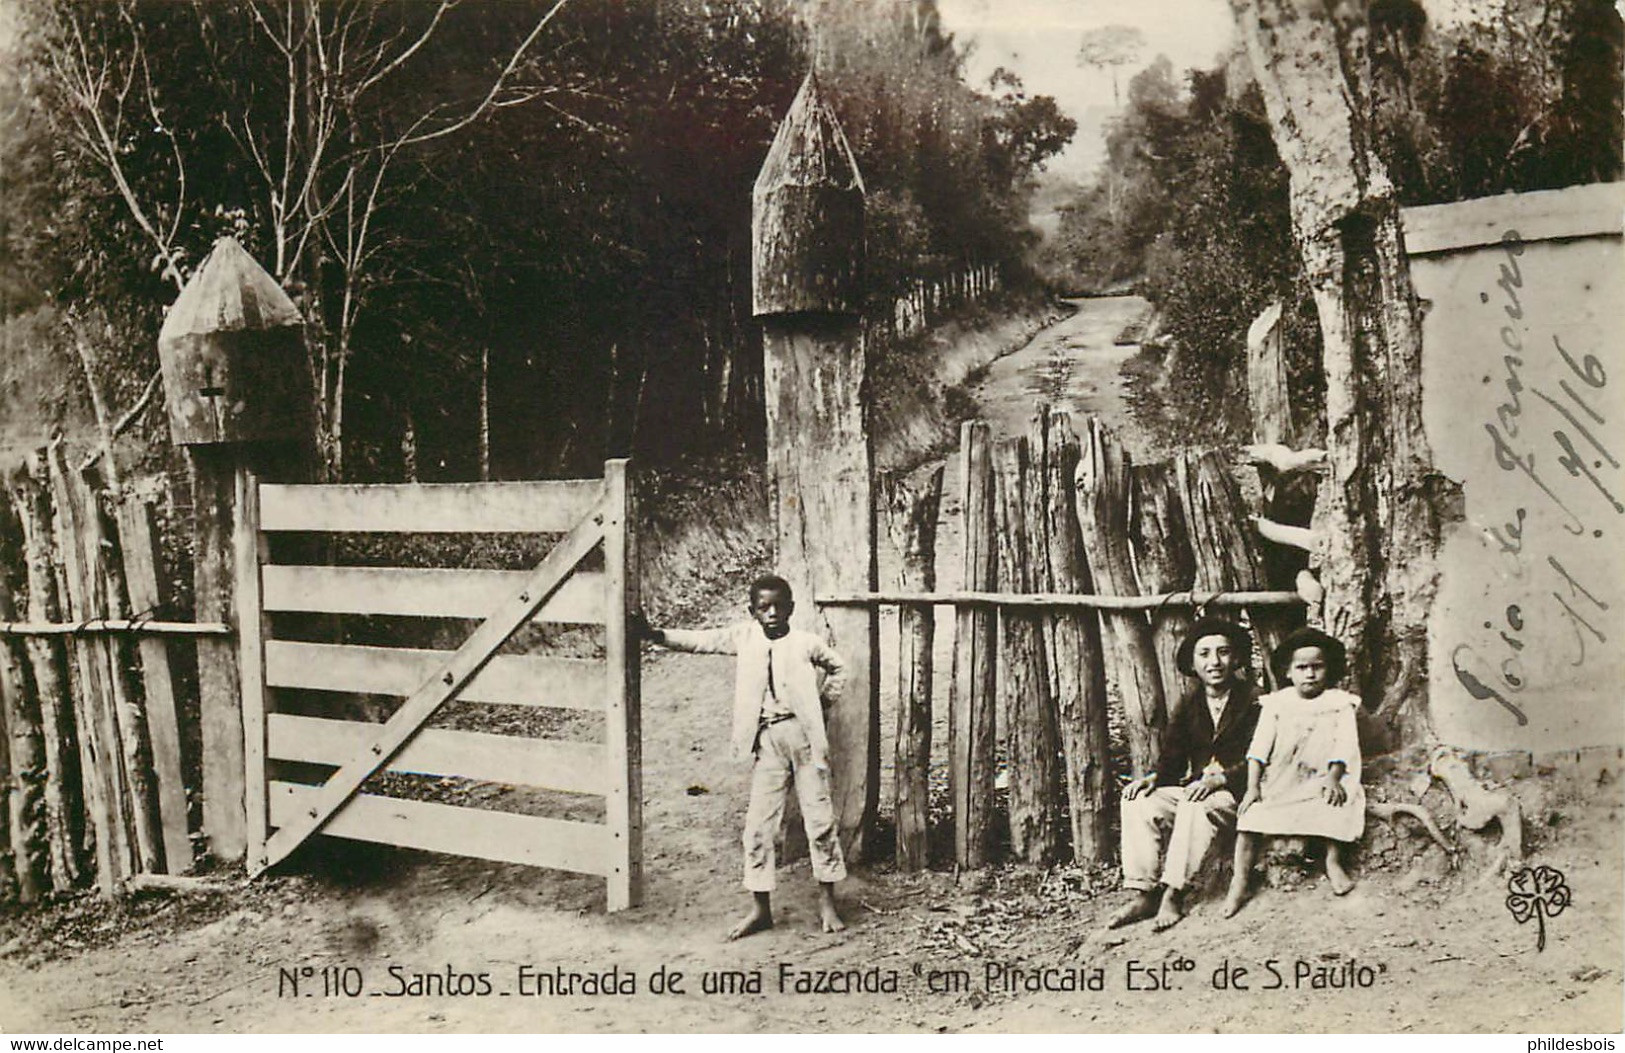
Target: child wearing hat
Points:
(1303, 767)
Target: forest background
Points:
(519, 232)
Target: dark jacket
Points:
(1189, 741)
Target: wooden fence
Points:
(95, 788)
(1079, 570)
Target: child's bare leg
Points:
(1172, 909)
(827, 914)
(1246, 853)
(759, 919)
(1342, 883)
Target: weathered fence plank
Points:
(971, 713)
(1025, 704)
(47, 663)
(1222, 543)
(1103, 517)
(97, 729)
(621, 754)
(912, 522)
(128, 709)
(142, 559)
(1163, 562)
(1075, 662)
(23, 741)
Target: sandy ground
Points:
(1416, 947)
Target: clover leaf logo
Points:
(1539, 893)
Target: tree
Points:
(1110, 48)
(1380, 509)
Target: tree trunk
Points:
(1380, 506)
(971, 725)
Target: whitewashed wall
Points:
(1523, 389)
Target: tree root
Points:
(1387, 813)
(1479, 806)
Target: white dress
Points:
(1297, 738)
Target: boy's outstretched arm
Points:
(830, 661)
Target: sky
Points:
(1039, 39)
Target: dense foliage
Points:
(1191, 203)
(519, 230)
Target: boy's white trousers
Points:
(783, 756)
(1189, 826)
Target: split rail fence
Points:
(1078, 568)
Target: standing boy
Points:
(778, 722)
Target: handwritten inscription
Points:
(1549, 438)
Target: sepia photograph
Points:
(812, 516)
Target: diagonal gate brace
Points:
(435, 692)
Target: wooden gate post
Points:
(972, 729)
(807, 254)
(235, 373)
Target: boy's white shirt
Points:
(796, 654)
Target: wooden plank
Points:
(977, 598)
(98, 737)
(425, 593)
(1102, 492)
(248, 544)
(574, 767)
(1163, 563)
(1075, 663)
(141, 561)
(549, 575)
(47, 659)
(22, 746)
(1026, 707)
(911, 520)
(1541, 215)
(214, 568)
(502, 837)
(970, 718)
(545, 507)
(622, 753)
(129, 706)
(562, 683)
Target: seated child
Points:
(778, 723)
(1303, 767)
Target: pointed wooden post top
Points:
(233, 355)
(807, 216)
(230, 291)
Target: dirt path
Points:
(1441, 949)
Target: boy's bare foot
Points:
(1140, 908)
(1342, 884)
(829, 918)
(760, 919)
(1172, 912)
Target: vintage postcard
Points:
(907, 516)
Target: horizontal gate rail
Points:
(521, 680)
(551, 507)
(425, 592)
(1058, 599)
(502, 837)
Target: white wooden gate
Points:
(284, 810)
